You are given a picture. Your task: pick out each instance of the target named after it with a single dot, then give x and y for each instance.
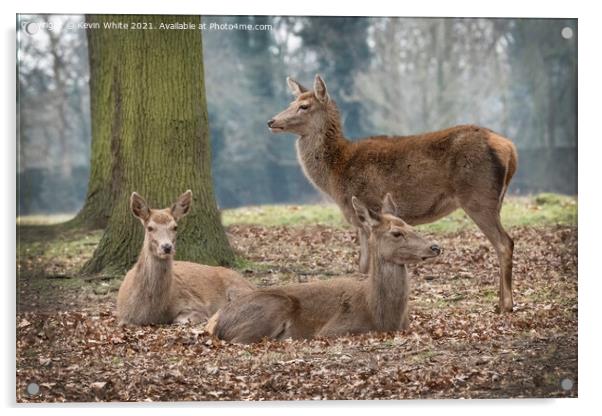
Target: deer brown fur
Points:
(159, 290)
(429, 175)
(338, 306)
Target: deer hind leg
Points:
(212, 323)
(279, 328)
(488, 220)
(338, 326)
(192, 316)
(346, 321)
(364, 254)
(256, 315)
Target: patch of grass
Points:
(41, 284)
(44, 219)
(49, 258)
(441, 303)
(539, 210)
(290, 215)
(75, 286)
(105, 287)
(66, 251)
(489, 295)
(421, 357)
(547, 198)
(242, 263)
(543, 209)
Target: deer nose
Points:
(166, 248)
(270, 123)
(436, 249)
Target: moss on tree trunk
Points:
(102, 62)
(151, 116)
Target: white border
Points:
(589, 158)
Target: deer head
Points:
(308, 114)
(160, 225)
(390, 237)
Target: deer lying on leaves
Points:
(159, 290)
(338, 306)
(429, 175)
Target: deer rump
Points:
(265, 313)
(299, 311)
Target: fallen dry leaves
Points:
(457, 345)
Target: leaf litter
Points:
(457, 346)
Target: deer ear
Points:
(139, 207)
(389, 206)
(366, 217)
(320, 89)
(296, 88)
(181, 207)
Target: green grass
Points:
(278, 215)
(46, 243)
(48, 219)
(422, 356)
(66, 248)
(541, 209)
(49, 258)
(538, 210)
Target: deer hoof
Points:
(504, 307)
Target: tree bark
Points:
(150, 112)
(102, 62)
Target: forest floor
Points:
(457, 346)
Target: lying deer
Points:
(160, 290)
(338, 306)
(430, 175)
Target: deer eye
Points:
(304, 106)
(174, 228)
(150, 229)
(396, 234)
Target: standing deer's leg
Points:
(364, 254)
(405, 321)
(488, 220)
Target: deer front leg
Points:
(405, 321)
(364, 253)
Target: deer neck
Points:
(154, 279)
(387, 293)
(319, 153)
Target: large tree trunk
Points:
(149, 101)
(102, 61)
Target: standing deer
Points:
(429, 175)
(339, 306)
(160, 290)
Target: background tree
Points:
(340, 46)
(53, 127)
(149, 96)
(256, 48)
